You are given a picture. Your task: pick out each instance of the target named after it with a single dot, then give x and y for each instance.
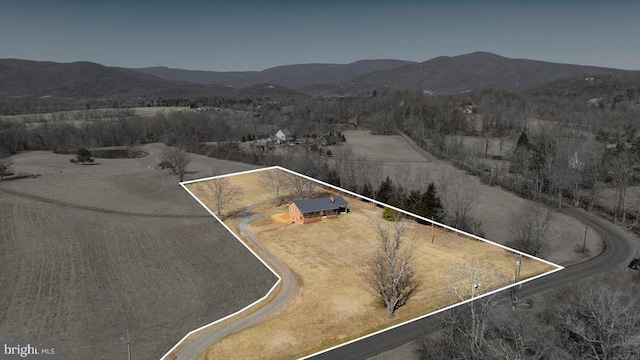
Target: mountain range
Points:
(474, 71)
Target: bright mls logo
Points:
(44, 350)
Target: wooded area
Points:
(557, 150)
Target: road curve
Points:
(194, 348)
(620, 248)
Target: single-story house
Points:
(284, 136)
(304, 211)
(327, 139)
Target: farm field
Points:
(87, 252)
(71, 115)
(608, 199)
(497, 147)
(332, 303)
(492, 206)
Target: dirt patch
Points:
(269, 221)
(282, 218)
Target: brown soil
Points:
(77, 267)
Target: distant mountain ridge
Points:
(442, 74)
(91, 80)
(474, 71)
(86, 80)
(469, 72)
(292, 76)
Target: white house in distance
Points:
(284, 136)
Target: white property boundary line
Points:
(164, 357)
(435, 223)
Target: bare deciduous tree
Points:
(601, 323)
(404, 181)
(515, 337)
(276, 179)
(528, 228)
(223, 193)
(621, 165)
(458, 194)
(302, 188)
(390, 273)
(178, 158)
(6, 165)
(467, 329)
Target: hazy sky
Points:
(254, 35)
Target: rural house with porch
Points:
(305, 211)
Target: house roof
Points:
(263, 142)
(285, 132)
(328, 138)
(320, 204)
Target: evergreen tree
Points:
(412, 202)
(83, 155)
(244, 139)
(367, 190)
(523, 141)
(432, 204)
(385, 191)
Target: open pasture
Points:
(333, 303)
(87, 252)
(403, 164)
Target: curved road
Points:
(620, 248)
(207, 337)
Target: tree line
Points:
(592, 319)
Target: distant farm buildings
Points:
(264, 143)
(284, 136)
(304, 211)
(327, 139)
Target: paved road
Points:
(620, 248)
(194, 348)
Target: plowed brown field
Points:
(89, 251)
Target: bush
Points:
(389, 214)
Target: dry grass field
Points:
(497, 147)
(493, 205)
(329, 259)
(608, 199)
(90, 114)
(89, 251)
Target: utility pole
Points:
(584, 240)
(516, 278)
(128, 342)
